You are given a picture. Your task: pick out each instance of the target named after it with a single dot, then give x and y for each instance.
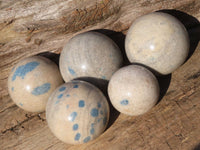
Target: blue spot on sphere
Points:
(103, 77)
(92, 131)
(92, 125)
(104, 121)
(99, 105)
(86, 139)
(67, 106)
(60, 96)
(99, 119)
(72, 116)
(76, 86)
(94, 112)
(101, 112)
(81, 103)
(20, 104)
(57, 101)
(21, 71)
(75, 127)
(62, 89)
(71, 71)
(12, 88)
(44, 88)
(77, 136)
(67, 95)
(124, 102)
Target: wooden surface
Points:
(29, 27)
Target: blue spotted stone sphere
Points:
(31, 82)
(77, 112)
(133, 90)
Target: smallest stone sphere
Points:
(133, 90)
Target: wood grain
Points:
(29, 27)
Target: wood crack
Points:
(51, 145)
(40, 118)
(194, 76)
(89, 16)
(10, 107)
(169, 146)
(12, 129)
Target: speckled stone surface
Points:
(77, 112)
(159, 41)
(31, 82)
(133, 90)
(90, 54)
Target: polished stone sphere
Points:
(31, 82)
(158, 41)
(90, 54)
(77, 112)
(133, 90)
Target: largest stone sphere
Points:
(159, 41)
(90, 54)
(77, 112)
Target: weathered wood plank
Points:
(29, 27)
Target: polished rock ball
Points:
(31, 82)
(159, 41)
(77, 112)
(90, 54)
(133, 90)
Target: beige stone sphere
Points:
(133, 90)
(158, 41)
(90, 54)
(77, 112)
(31, 82)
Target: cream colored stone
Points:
(133, 90)
(31, 82)
(77, 112)
(159, 41)
(90, 54)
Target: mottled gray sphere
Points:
(159, 41)
(77, 112)
(133, 90)
(90, 54)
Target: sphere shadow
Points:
(164, 82)
(103, 85)
(192, 26)
(197, 147)
(52, 56)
